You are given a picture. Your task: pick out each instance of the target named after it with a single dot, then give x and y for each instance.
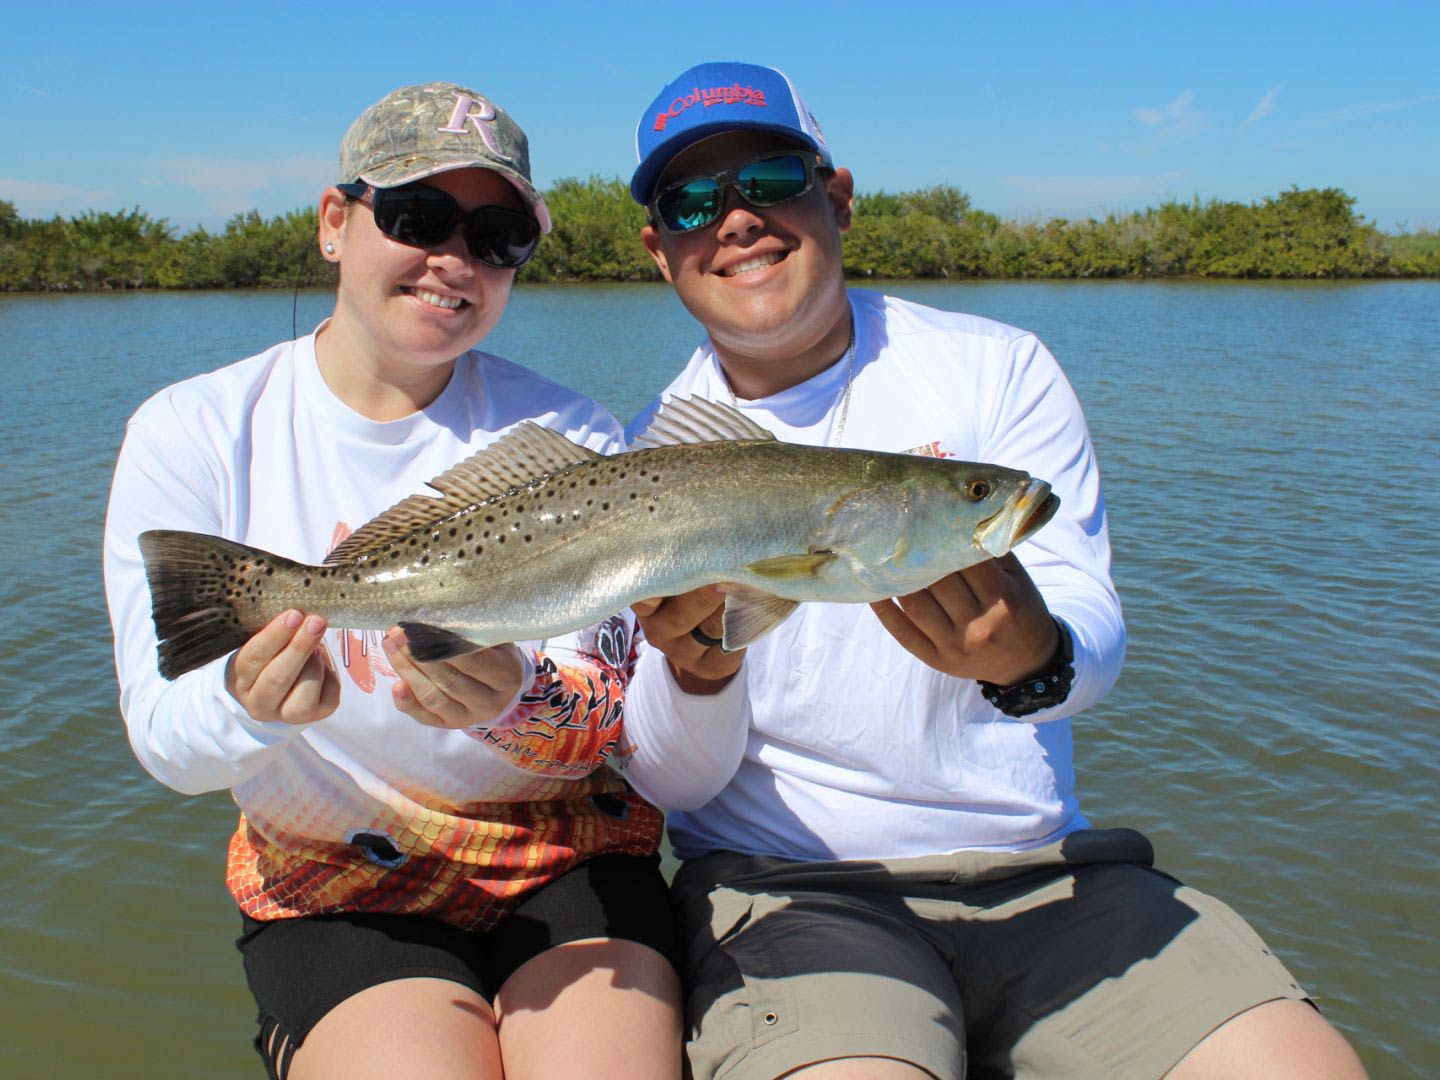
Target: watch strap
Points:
(1042, 690)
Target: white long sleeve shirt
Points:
(834, 742)
(366, 809)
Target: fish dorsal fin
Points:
(524, 454)
(695, 420)
(750, 614)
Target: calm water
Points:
(1270, 457)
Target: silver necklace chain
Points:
(844, 410)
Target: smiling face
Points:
(403, 314)
(767, 283)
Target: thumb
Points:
(643, 608)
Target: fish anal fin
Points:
(750, 614)
(788, 567)
(431, 643)
(523, 455)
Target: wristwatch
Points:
(1041, 690)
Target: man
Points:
(886, 870)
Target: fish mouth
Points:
(1019, 519)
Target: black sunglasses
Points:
(423, 216)
(767, 181)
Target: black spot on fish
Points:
(527, 538)
(454, 531)
(307, 582)
(424, 559)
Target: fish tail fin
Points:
(205, 595)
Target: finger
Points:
(498, 668)
(330, 692)
(301, 703)
(645, 608)
(278, 676)
(955, 597)
(910, 637)
(678, 615)
(997, 579)
(264, 646)
(926, 613)
(437, 694)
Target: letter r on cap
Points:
(481, 119)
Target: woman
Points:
(437, 874)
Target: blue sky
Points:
(196, 111)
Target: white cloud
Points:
(40, 198)
(1179, 118)
(1263, 108)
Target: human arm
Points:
(994, 621)
(191, 734)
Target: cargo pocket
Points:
(738, 995)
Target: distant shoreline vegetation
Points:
(932, 233)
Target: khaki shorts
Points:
(1077, 959)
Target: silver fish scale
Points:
(579, 544)
(583, 542)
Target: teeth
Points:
(448, 302)
(757, 263)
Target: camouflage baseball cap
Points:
(418, 131)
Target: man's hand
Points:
(283, 673)
(474, 688)
(985, 622)
(668, 621)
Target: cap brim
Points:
(647, 173)
(395, 174)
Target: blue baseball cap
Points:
(710, 98)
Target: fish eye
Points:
(976, 490)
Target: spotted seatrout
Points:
(535, 536)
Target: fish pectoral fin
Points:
(695, 420)
(431, 643)
(751, 614)
(785, 567)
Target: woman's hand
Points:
(669, 622)
(464, 691)
(283, 673)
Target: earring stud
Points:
(329, 248)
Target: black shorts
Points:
(299, 969)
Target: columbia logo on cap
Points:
(715, 95)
